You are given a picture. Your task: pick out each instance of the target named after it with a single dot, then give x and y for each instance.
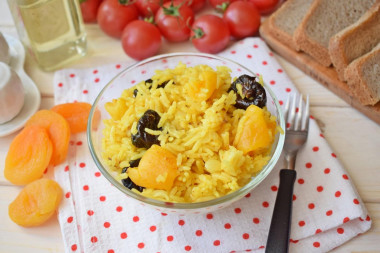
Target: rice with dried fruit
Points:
(198, 125)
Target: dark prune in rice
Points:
(161, 85)
(134, 163)
(127, 182)
(142, 139)
(253, 92)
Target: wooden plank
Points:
(369, 241)
(356, 142)
(326, 76)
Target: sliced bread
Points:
(363, 77)
(286, 19)
(355, 40)
(324, 19)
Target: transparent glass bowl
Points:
(144, 70)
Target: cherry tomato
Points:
(148, 7)
(141, 39)
(89, 9)
(242, 18)
(113, 16)
(265, 6)
(174, 20)
(210, 34)
(196, 5)
(220, 5)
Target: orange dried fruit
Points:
(204, 87)
(157, 169)
(58, 130)
(76, 115)
(255, 132)
(116, 108)
(36, 203)
(28, 156)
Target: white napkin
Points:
(96, 217)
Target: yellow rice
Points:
(199, 134)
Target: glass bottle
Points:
(51, 30)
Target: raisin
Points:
(134, 163)
(127, 182)
(253, 91)
(161, 85)
(143, 139)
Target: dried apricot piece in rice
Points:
(157, 169)
(36, 203)
(76, 115)
(28, 156)
(204, 87)
(116, 108)
(59, 132)
(255, 133)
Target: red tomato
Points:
(242, 18)
(210, 34)
(114, 16)
(220, 5)
(141, 39)
(265, 6)
(148, 7)
(89, 9)
(174, 20)
(196, 5)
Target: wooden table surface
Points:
(353, 137)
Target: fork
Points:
(295, 138)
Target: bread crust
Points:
(356, 81)
(363, 34)
(317, 47)
(308, 45)
(278, 33)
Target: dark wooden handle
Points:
(279, 232)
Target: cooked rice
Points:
(199, 134)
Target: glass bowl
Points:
(144, 70)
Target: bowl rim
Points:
(195, 205)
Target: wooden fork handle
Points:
(279, 232)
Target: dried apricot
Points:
(36, 203)
(203, 88)
(254, 132)
(59, 132)
(116, 108)
(76, 115)
(29, 154)
(157, 169)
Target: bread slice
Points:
(355, 40)
(286, 19)
(324, 19)
(363, 77)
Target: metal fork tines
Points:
(297, 123)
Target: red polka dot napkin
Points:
(96, 217)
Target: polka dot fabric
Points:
(96, 217)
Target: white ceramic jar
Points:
(5, 55)
(11, 93)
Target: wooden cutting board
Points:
(324, 75)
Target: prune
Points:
(127, 182)
(143, 139)
(253, 92)
(134, 163)
(161, 85)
